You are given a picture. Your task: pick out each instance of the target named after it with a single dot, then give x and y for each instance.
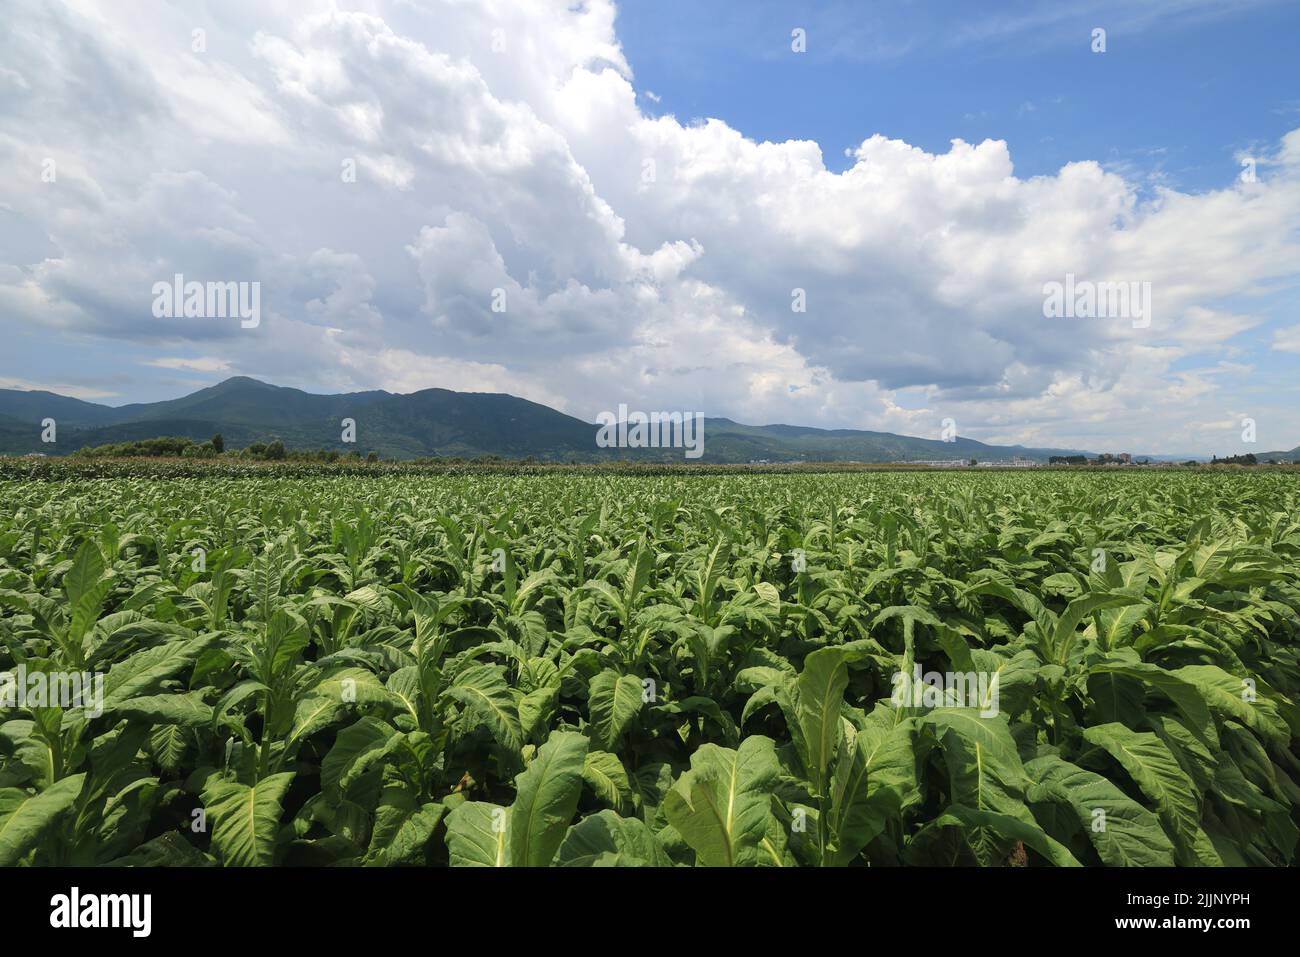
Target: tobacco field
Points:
(672, 670)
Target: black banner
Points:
(342, 906)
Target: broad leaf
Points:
(546, 797)
(245, 821)
(722, 804)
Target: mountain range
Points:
(440, 422)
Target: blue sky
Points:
(1180, 89)
(651, 186)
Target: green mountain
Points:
(1291, 456)
(36, 405)
(256, 404)
(779, 443)
(438, 422)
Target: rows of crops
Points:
(592, 669)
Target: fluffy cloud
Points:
(1287, 340)
(197, 364)
(470, 196)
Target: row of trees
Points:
(1250, 459)
(1105, 458)
(168, 446)
(275, 451)
(162, 447)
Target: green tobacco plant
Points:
(373, 667)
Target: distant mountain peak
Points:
(440, 422)
(238, 380)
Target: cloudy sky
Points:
(652, 189)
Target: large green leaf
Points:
(482, 689)
(188, 710)
(356, 749)
(605, 775)
(722, 804)
(245, 820)
(875, 777)
(1124, 833)
(1156, 771)
(312, 713)
(86, 587)
(546, 796)
(613, 702)
(1185, 694)
(403, 827)
(146, 670)
(606, 838)
(24, 817)
(1064, 636)
(984, 769)
(478, 835)
(85, 572)
(1236, 698)
(986, 835)
(818, 697)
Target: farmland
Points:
(581, 669)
